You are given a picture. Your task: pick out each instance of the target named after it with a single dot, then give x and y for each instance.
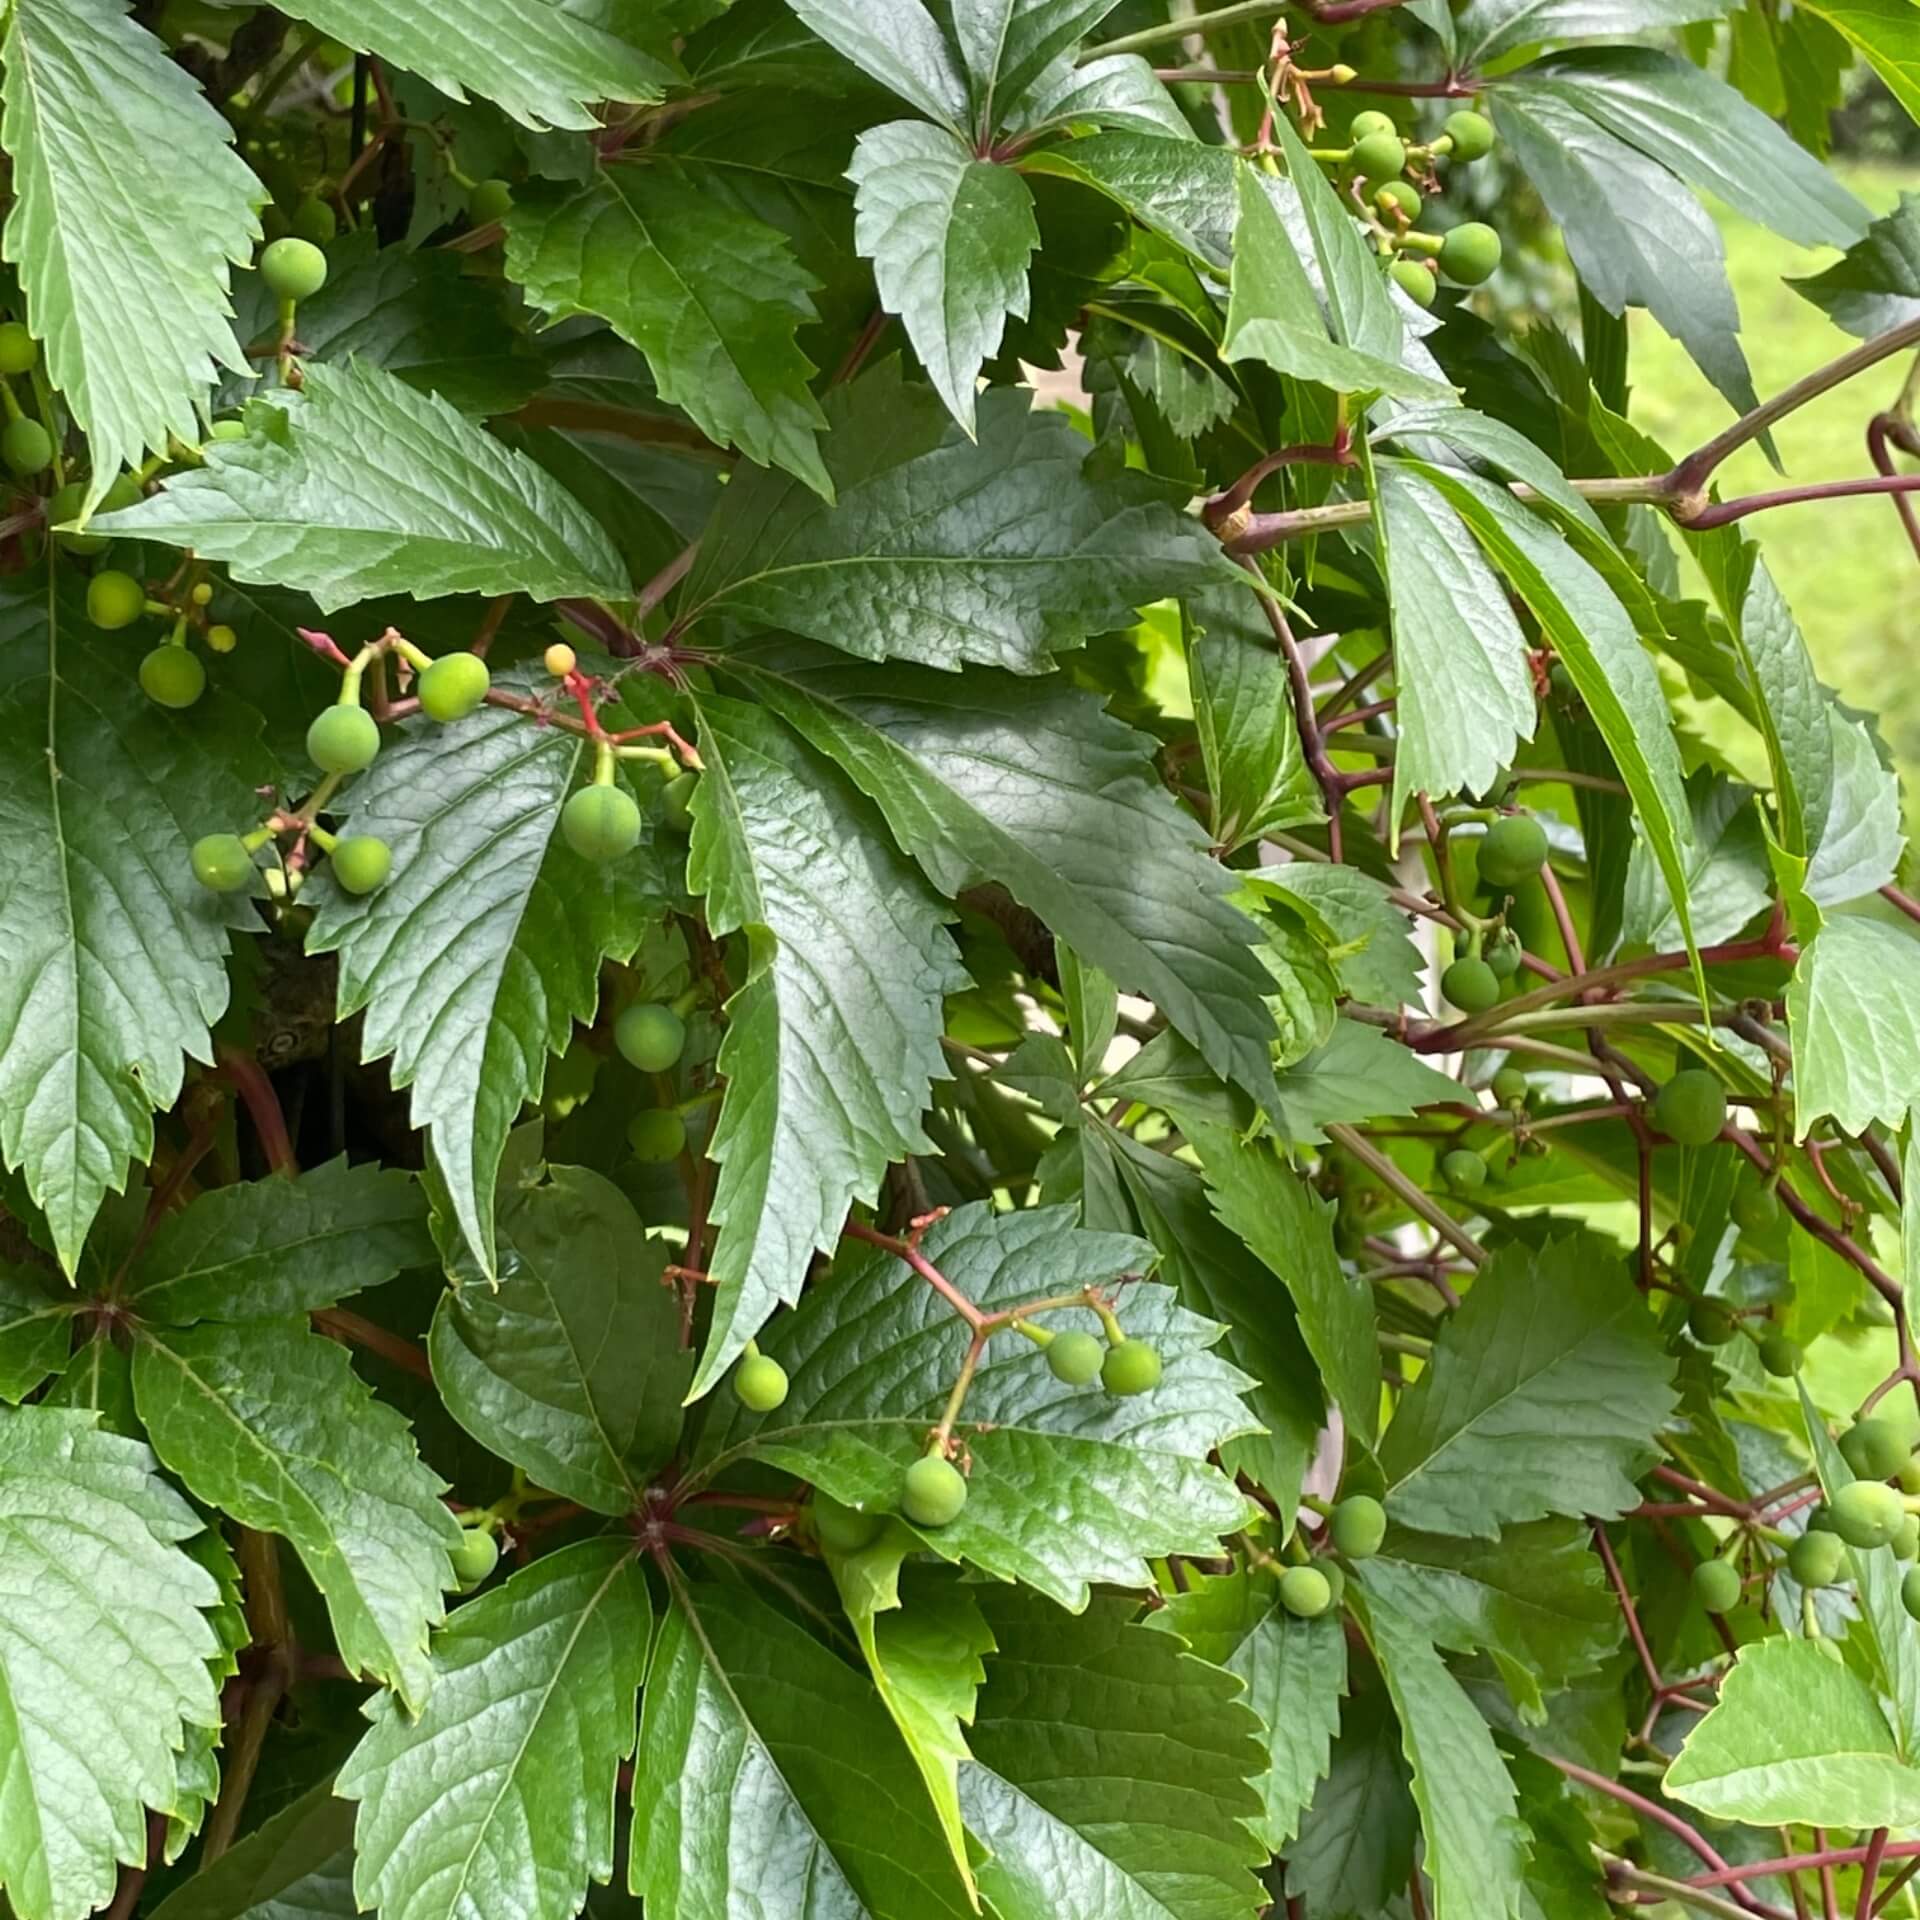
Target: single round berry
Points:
(1471, 134)
(1503, 956)
(1780, 1356)
(1908, 1478)
(1401, 196)
(491, 200)
(222, 639)
(1716, 1585)
(221, 863)
(1511, 1087)
(227, 430)
(1867, 1514)
(454, 686)
(314, 221)
(1366, 124)
(1464, 1171)
(656, 1135)
(361, 862)
(1470, 253)
(19, 350)
(65, 505)
(1357, 1526)
(1513, 849)
(1816, 1559)
(760, 1383)
(934, 1491)
(1755, 1208)
(1131, 1366)
(1820, 1520)
(1305, 1592)
(476, 1556)
(1379, 156)
(115, 599)
(1910, 1592)
(1415, 281)
(560, 659)
(294, 269)
(1906, 1543)
(843, 1529)
(1711, 1322)
(342, 739)
(1470, 985)
(650, 1037)
(172, 677)
(26, 446)
(202, 594)
(1874, 1449)
(1075, 1357)
(601, 823)
(674, 799)
(1691, 1108)
(1335, 1575)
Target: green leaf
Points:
(833, 1041)
(477, 957)
(1887, 33)
(986, 778)
(1271, 1210)
(36, 1328)
(1357, 1073)
(1294, 1672)
(1860, 843)
(770, 1778)
(1121, 90)
(101, 232)
(1466, 698)
(496, 1802)
(298, 1865)
(367, 486)
(1853, 1012)
(1795, 1738)
(1077, 1720)
(1476, 1846)
(1490, 28)
(899, 44)
(104, 1657)
(1728, 876)
(113, 967)
(1176, 188)
(264, 1248)
(571, 1367)
(1541, 1396)
(1354, 1850)
(946, 551)
(1791, 712)
(1068, 1485)
(1354, 915)
(1877, 284)
(1008, 44)
(542, 64)
(269, 1423)
(1504, 449)
(711, 295)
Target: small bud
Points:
(1343, 75)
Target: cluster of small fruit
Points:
(1390, 179)
(651, 1036)
(1311, 1584)
(1866, 1514)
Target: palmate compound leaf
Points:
(104, 1657)
(1540, 1398)
(477, 957)
(769, 1779)
(497, 1801)
(833, 1041)
(1068, 1485)
(366, 486)
(1854, 1016)
(268, 1422)
(1112, 1770)
(112, 969)
(99, 237)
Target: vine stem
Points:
(249, 1080)
(918, 1261)
(1390, 1175)
(1190, 28)
(1332, 782)
(1682, 1893)
(267, 1619)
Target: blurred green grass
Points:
(1844, 566)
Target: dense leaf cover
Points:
(917, 996)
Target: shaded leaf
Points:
(1853, 1011)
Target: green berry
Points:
(1867, 1514)
(1470, 985)
(1711, 1322)
(656, 1135)
(1511, 1087)
(1305, 1592)
(19, 350)
(1471, 134)
(1463, 1170)
(361, 862)
(1335, 1576)
(1075, 1357)
(1874, 1449)
(650, 1037)
(1909, 1477)
(115, 600)
(294, 269)
(1816, 1559)
(1401, 195)
(1357, 1526)
(1415, 281)
(601, 823)
(313, 220)
(221, 863)
(1365, 125)
(1379, 156)
(1906, 1543)
(1716, 1585)
(454, 686)
(1691, 1108)
(1910, 1592)
(674, 797)
(65, 505)
(26, 446)
(1514, 849)
(172, 677)
(1470, 253)
(1503, 956)
(342, 739)
(476, 1556)
(491, 200)
(1130, 1366)
(1820, 1520)
(760, 1383)
(227, 430)
(1780, 1356)
(843, 1529)
(1755, 1208)
(934, 1491)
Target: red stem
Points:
(1870, 1872)
(250, 1081)
(1721, 513)
(918, 1261)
